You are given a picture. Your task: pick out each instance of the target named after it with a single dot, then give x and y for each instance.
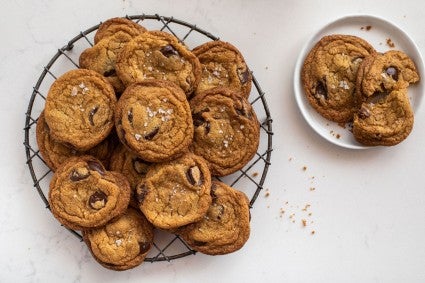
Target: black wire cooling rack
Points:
(249, 180)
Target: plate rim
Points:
(302, 102)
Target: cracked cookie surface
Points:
(112, 26)
(79, 109)
(84, 195)
(158, 55)
(222, 65)
(329, 75)
(153, 120)
(227, 131)
(123, 243)
(225, 228)
(55, 153)
(176, 193)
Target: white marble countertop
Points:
(367, 207)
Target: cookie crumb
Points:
(367, 28)
(312, 189)
(255, 174)
(338, 136)
(304, 222)
(304, 168)
(267, 194)
(307, 206)
(313, 232)
(390, 43)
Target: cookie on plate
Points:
(84, 195)
(158, 55)
(227, 131)
(122, 243)
(115, 25)
(176, 193)
(384, 72)
(153, 120)
(329, 75)
(102, 57)
(222, 65)
(385, 116)
(225, 228)
(384, 119)
(79, 109)
(55, 153)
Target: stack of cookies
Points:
(136, 136)
(346, 80)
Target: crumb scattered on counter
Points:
(313, 232)
(255, 174)
(312, 189)
(304, 168)
(390, 43)
(304, 222)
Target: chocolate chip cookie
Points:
(385, 116)
(226, 130)
(116, 25)
(158, 55)
(225, 228)
(383, 72)
(79, 109)
(176, 193)
(55, 153)
(102, 57)
(329, 75)
(84, 195)
(122, 243)
(222, 65)
(153, 120)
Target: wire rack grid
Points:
(250, 179)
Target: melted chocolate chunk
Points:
(96, 166)
(320, 90)
(363, 113)
(243, 75)
(110, 73)
(243, 109)
(392, 72)
(92, 112)
(98, 200)
(79, 174)
(141, 192)
(377, 96)
(144, 247)
(130, 115)
(194, 176)
(149, 136)
(168, 50)
(199, 243)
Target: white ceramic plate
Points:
(376, 31)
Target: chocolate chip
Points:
(92, 113)
(243, 110)
(243, 75)
(168, 50)
(194, 176)
(144, 247)
(130, 115)
(151, 134)
(79, 174)
(392, 72)
(98, 200)
(96, 166)
(140, 166)
(199, 120)
(141, 192)
(110, 73)
(363, 112)
(212, 192)
(320, 90)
